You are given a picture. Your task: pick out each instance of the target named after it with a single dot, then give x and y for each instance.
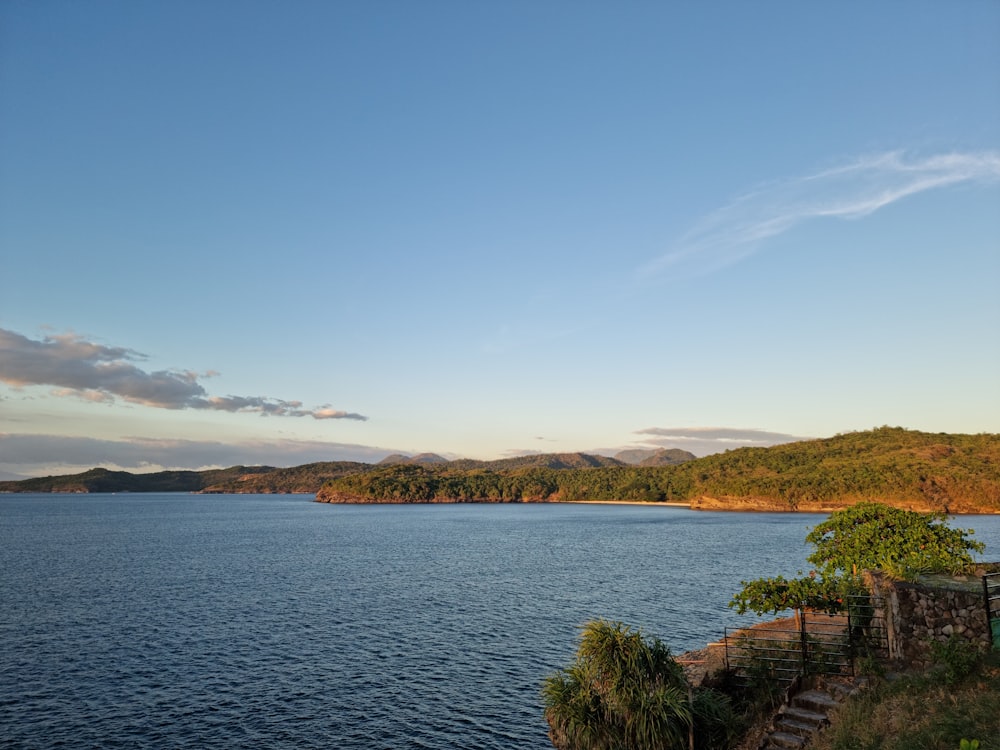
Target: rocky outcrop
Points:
(751, 504)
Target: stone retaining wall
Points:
(919, 614)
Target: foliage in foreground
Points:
(779, 594)
(866, 536)
(624, 691)
(922, 712)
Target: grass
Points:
(934, 710)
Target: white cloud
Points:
(327, 413)
(852, 191)
(95, 372)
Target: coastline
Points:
(754, 505)
(621, 502)
(704, 503)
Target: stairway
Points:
(807, 712)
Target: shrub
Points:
(626, 692)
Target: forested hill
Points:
(104, 480)
(307, 478)
(922, 471)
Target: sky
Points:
(265, 232)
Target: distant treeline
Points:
(956, 473)
(236, 479)
(918, 470)
(308, 478)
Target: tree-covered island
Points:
(929, 472)
(909, 469)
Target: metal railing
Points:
(991, 598)
(817, 644)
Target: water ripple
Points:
(231, 622)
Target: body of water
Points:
(220, 621)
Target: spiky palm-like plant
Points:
(626, 693)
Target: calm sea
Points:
(168, 621)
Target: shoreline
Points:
(620, 502)
(697, 505)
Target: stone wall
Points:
(932, 610)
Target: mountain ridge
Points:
(304, 479)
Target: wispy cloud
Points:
(76, 367)
(703, 441)
(33, 455)
(851, 191)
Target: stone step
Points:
(805, 716)
(793, 726)
(809, 711)
(815, 700)
(786, 741)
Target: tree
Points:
(773, 595)
(626, 692)
(865, 536)
(869, 536)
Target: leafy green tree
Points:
(865, 536)
(869, 536)
(773, 595)
(624, 692)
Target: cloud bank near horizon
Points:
(74, 366)
(36, 455)
(851, 191)
(703, 441)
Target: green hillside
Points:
(306, 478)
(103, 480)
(922, 471)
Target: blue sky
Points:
(262, 232)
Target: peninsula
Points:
(905, 468)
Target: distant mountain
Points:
(420, 458)
(536, 461)
(668, 457)
(428, 458)
(307, 478)
(634, 456)
(654, 456)
(296, 479)
(532, 460)
(555, 461)
(105, 480)
(394, 458)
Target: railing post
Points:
(851, 646)
(988, 599)
(725, 644)
(802, 639)
(989, 612)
